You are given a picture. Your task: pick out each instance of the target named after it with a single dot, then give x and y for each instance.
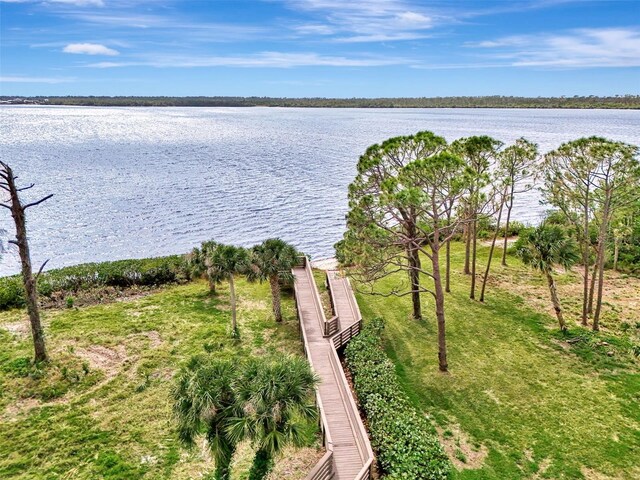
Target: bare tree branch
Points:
(33, 204)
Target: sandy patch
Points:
(20, 407)
(19, 329)
(109, 360)
(325, 264)
(499, 242)
(458, 445)
(590, 474)
(542, 468)
(253, 304)
(155, 340)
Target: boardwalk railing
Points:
(327, 468)
(341, 339)
(331, 326)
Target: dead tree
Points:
(18, 209)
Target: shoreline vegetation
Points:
(628, 102)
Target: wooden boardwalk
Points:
(349, 454)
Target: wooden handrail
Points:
(323, 419)
(323, 469)
(362, 438)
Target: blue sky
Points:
(326, 48)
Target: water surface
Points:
(139, 182)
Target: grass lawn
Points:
(102, 409)
(520, 402)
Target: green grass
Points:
(109, 416)
(538, 407)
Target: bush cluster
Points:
(405, 441)
(119, 274)
(487, 228)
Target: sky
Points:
(319, 48)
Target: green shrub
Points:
(514, 229)
(118, 274)
(405, 441)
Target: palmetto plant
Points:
(227, 261)
(543, 248)
(274, 401)
(203, 401)
(264, 400)
(273, 260)
(199, 261)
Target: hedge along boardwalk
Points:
(344, 433)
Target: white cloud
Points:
(90, 49)
(584, 48)
(27, 79)
(259, 60)
(365, 21)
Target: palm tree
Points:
(544, 247)
(204, 399)
(273, 260)
(225, 262)
(199, 262)
(274, 401)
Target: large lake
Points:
(140, 182)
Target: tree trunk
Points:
(467, 247)
(474, 253)
(212, 285)
(223, 459)
(616, 252)
(447, 278)
(274, 281)
(602, 249)
(493, 246)
(506, 229)
(413, 258)
(556, 303)
(232, 294)
(30, 286)
(592, 288)
(262, 465)
(586, 309)
(447, 281)
(439, 295)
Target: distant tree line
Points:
(495, 101)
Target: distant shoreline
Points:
(625, 102)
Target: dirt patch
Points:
(155, 340)
(97, 296)
(19, 329)
(462, 453)
(542, 468)
(499, 241)
(491, 394)
(20, 407)
(590, 474)
(295, 463)
(109, 360)
(253, 304)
